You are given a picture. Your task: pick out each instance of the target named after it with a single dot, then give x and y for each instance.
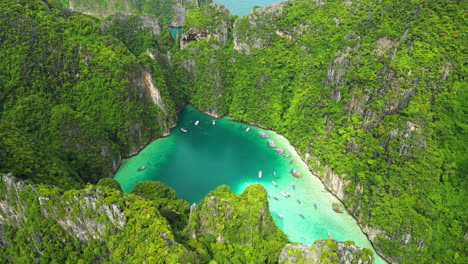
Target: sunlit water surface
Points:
(206, 156)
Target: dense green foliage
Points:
(98, 224)
(324, 251)
(242, 225)
(165, 199)
(375, 90)
(67, 92)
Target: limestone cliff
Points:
(363, 92)
(326, 251)
(75, 213)
(171, 12)
(219, 212)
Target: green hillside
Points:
(371, 93)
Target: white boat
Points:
(274, 183)
(184, 130)
(280, 216)
(274, 174)
(260, 174)
(196, 122)
(247, 130)
(288, 194)
(285, 195)
(213, 122)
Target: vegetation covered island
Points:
(371, 94)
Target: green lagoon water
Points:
(207, 156)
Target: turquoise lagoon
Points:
(244, 7)
(206, 156)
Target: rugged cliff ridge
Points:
(77, 92)
(171, 12)
(370, 95)
(325, 251)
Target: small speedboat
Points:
(315, 205)
(260, 174)
(287, 155)
(279, 151)
(213, 122)
(280, 216)
(262, 135)
(274, 183)
(288, 194)
(274, 174)
(293, 185)
(247, 129)
(299, 201)
(271, 144)
(197, 122)
(295, 173)
(141, 168)
(184, 130)
(285, 195)
(276, 198)
(301, 215)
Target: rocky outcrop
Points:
(193, 34)
(326, 251)
(217, 213)
(180, 10)
(255, 30)
(217, 28)
(146, 23)
(76, 214)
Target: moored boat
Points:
(279, 151)
(247, 129)
(213, 122)
(301, 215)
(184, 130)
(293, 185)
(197, 122)
(141, 168)
(280, 216)
(271, 144)
(298, 201)
(287, 155)
(284, 194)
(274, 175)
(274, 183)
(260, 174)
(276, 198)
(262, 135)
(295, 173)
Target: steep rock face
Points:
(75, 214)
(217, 214)
(94, 8)
(207, 38)
(326, 251)
(193, 34)
(146, 23)
(257, 28)
(180, 10)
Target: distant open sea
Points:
(244, 7)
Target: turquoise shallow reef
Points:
(218, 151)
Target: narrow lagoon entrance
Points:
(219, 151)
